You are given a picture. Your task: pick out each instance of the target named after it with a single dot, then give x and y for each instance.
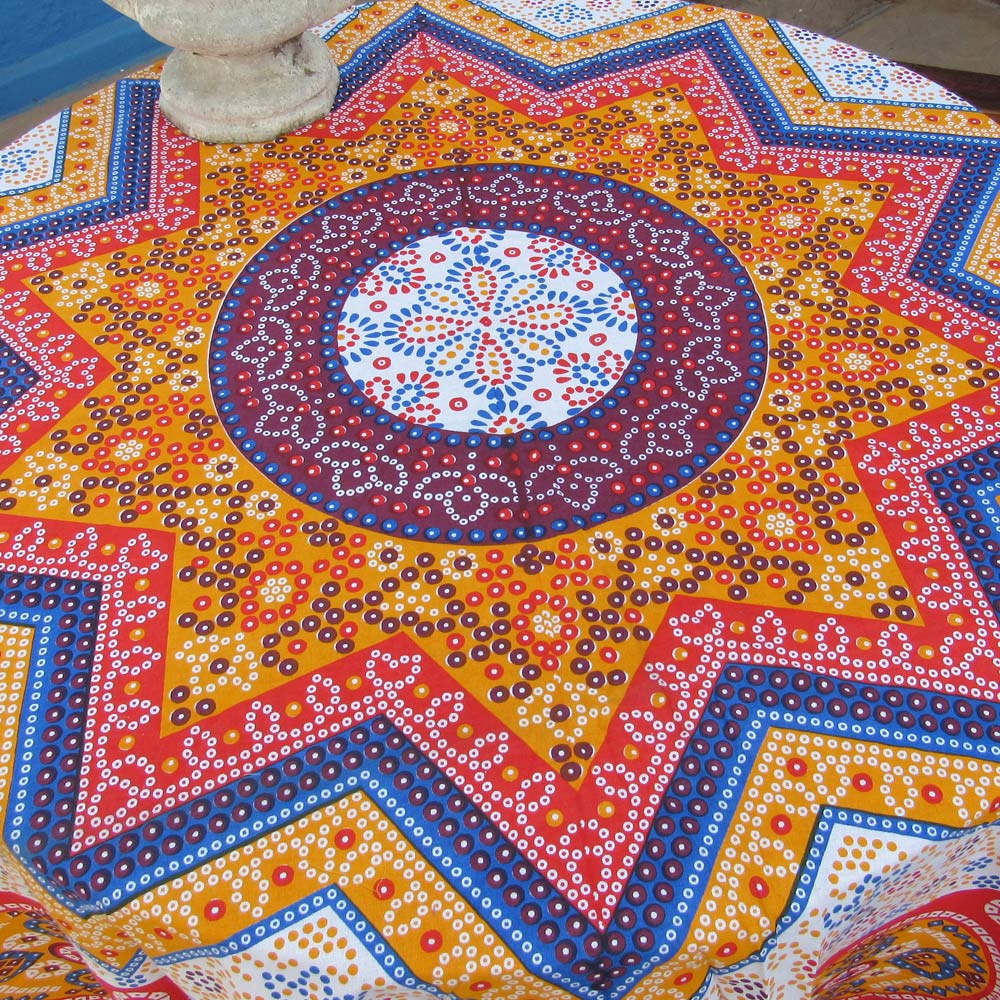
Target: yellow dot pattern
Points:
(350, 845)
(793, 776)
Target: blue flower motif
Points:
(357, 336)
(505, 416)
(468, 240)
(491, 317)
(872, 74)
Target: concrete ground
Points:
(956, 42)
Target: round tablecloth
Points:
(532, 534)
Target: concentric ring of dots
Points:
(291, 405)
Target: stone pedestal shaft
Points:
(241, 70)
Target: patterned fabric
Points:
(531, 535)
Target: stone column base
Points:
(250, 98)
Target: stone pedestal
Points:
(242, 70)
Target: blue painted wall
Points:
(49, 46)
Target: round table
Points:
(532, 534)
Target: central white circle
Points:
(488, 330)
